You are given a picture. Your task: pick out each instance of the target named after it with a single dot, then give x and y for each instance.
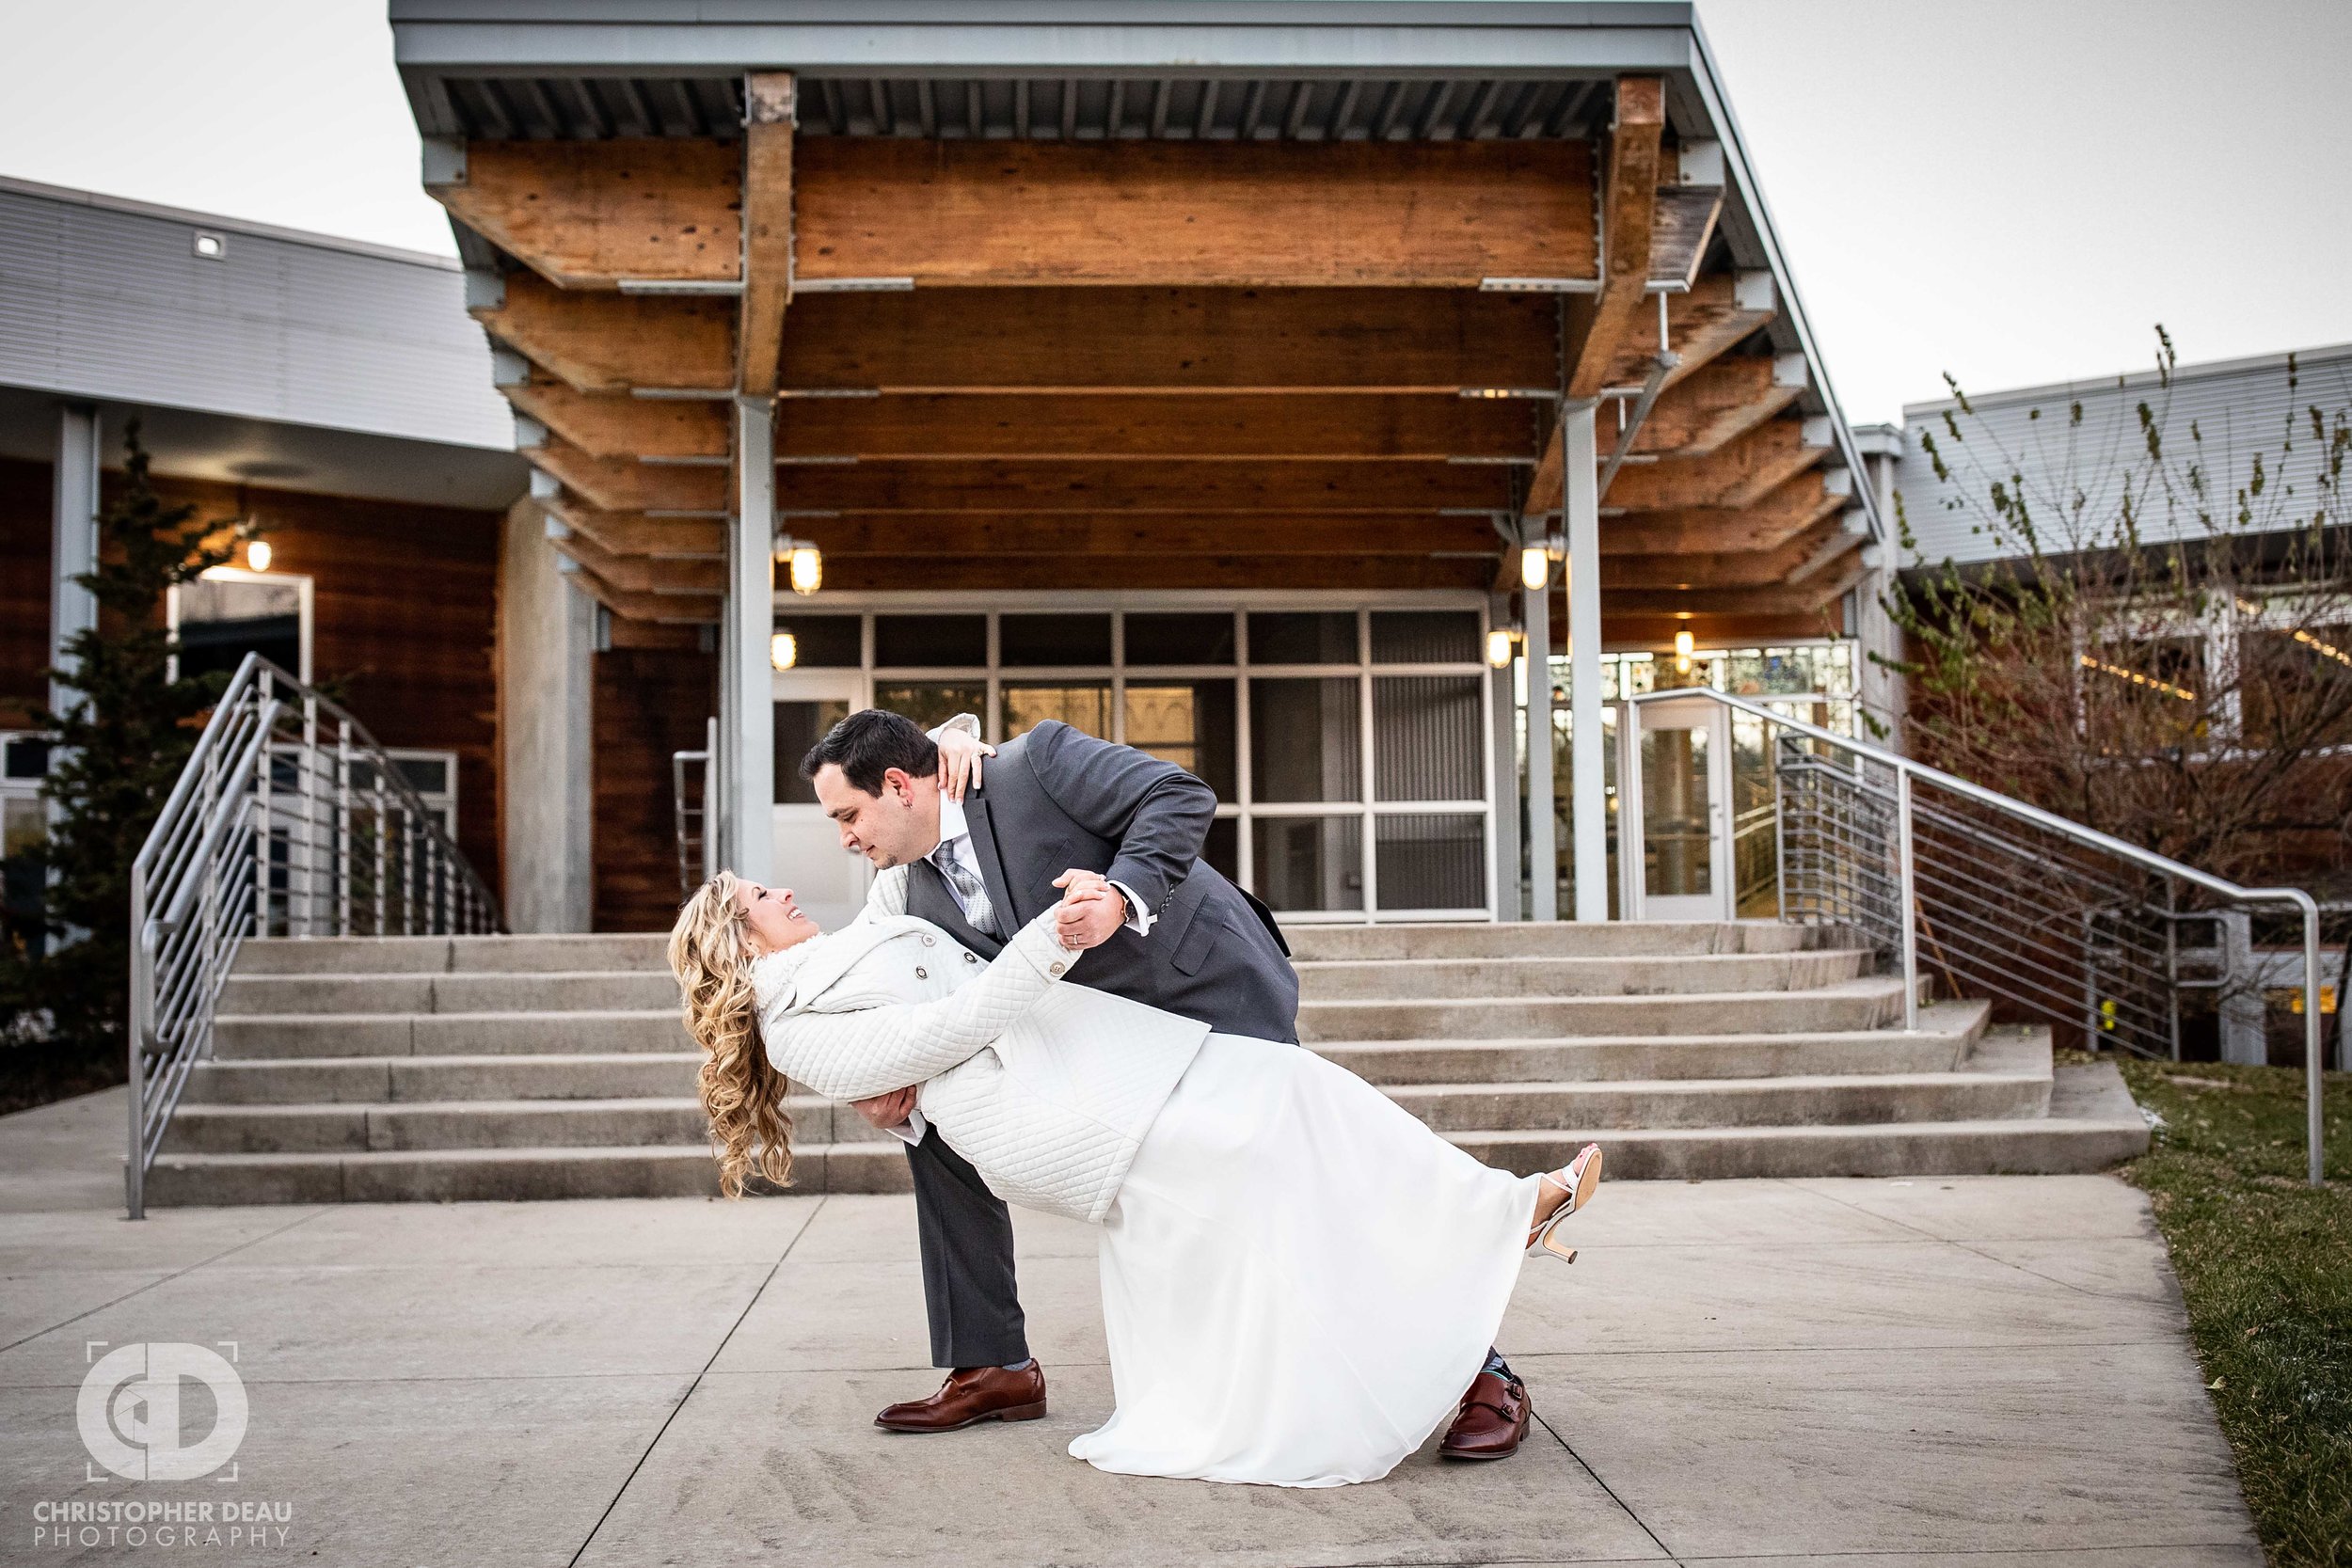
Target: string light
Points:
(2134, 676)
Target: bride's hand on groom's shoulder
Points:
(959, 757)
(1089, 911)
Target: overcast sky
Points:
(2014, 191)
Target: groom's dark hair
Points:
(868, 744)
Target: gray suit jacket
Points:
(1056, 798)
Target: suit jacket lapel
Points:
(1010, 916)
(929, 896)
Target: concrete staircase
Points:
(367, 1069)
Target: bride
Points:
(1298, 1277)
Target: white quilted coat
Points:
(1047, 1089)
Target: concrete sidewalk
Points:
(1987, 1371)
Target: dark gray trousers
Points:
(968, 1283)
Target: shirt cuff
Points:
(910, 1131)
(1140, 919)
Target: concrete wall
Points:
(546, 635)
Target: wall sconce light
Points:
(1535, 561)
(1683, 644)
(1501, 644)
(784, 650)
(804, 567)
(257, 554)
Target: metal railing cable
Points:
(1948, 878)
(288, 820)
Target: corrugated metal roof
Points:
(2223, 414)
(111, 300)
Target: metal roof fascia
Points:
(1413, 40)
(2006, 397)
(1708, 84)
(68, 195)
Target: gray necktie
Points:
(970, 891)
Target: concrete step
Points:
(1691, 974)
(379, 1080)
(277, 1036)
(1946, 1031)
(1558, 940)
(438, 1124)
(451, 955)
(546, 990)
(1853, 1005)
(2092, 1125)
(2008, 1078)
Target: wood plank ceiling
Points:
(1155, 363)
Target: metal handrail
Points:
(270, 803)
(1907, 774)
(691, 828)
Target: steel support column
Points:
(1543, 848)
(747, 732)
(1588, 804)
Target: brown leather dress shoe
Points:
(972, 1394)
(1492, 1422)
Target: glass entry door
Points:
(1678, 809)
(829, 881)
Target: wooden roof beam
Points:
(1156, 535)
(1197, 488)
(1714, 315)
(927, 213)
(614, 424)
(1723, 401)
(1011, 572)
(767, 266)
(1379, 426)
(1599, 325)
(1779, 516)
(1793, 561)
(1744, 472)
(635, 534)
(609, 342)
(658, 608)
(626, 484)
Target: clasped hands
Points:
(1091, 910)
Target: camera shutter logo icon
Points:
(129, 1411)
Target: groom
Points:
(1167, 929)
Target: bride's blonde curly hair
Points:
(741, 1092)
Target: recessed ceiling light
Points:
(211, 246)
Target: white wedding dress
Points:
(1299, 1279)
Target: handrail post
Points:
(142, 1012)
(2315, 1132)
(1907, 868)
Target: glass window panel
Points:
(1676, 837)
(1190, 723)
(825, 641)
(1424, 636)
(1303, 739)
(1433, 861)
(929, 642)
(425, 775)
(1081, 704)
(223, 619)
(931, 703)
(1222, 848)
(1317, 637)
(1179, 638)
(1052, 639)
(1309, 862)
(23, 825)
(1425, 741)
(27, 758)
(799, 725)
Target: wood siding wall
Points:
(649, 703)
(25, 502)
(403, 608)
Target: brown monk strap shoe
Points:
(972, 1394)
(1492, 1422)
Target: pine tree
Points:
(119, 749)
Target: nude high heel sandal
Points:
(1579, 1179)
